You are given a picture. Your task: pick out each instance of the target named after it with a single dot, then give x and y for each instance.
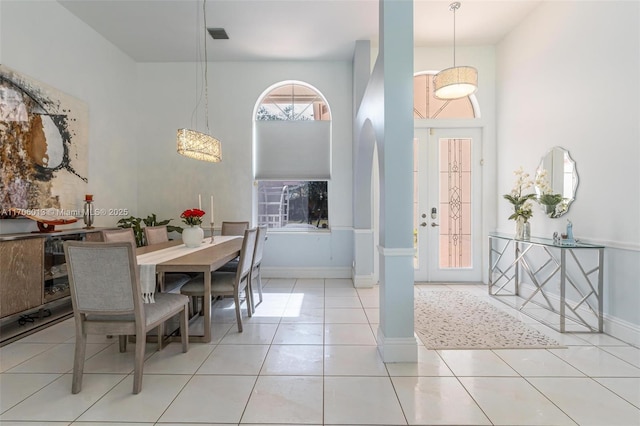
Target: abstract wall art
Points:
(43, 147)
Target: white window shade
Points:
(295, 150)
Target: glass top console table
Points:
(558, 285)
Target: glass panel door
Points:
(447, 210)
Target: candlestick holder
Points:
(211, 232)
(87, 215)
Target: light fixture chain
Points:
(454, 38)
(192, 143)
(453, 7)
(206, 63)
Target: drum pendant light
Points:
(455, 82)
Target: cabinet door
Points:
(21, 276)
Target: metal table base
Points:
(542, 264)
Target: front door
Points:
(447, 208)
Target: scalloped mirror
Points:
(556, 182)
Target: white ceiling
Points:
(166, 30)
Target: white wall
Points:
(42, 40)
(135, 110)
(569, 76)
(170, 183)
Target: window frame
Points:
(324, 107)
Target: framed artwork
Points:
(43, 147)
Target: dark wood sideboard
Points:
(34, 287)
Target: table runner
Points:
(148, 261)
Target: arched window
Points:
(291, 102)
(292, 157)
(426, 105)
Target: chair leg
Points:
(236, 298)
(122, 341)
(184, 329)
(249, 298)
(193, 305)
(139, 361)
(160, 336)
(78, 360)
(259, 287)
(251, 307)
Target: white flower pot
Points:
(192, 236)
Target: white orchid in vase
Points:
(520, 198)
(545, 194)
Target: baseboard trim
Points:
(362, 281)
(283, 272)
(397, 349)
(621, 329)
(613, 326)
(397, 251)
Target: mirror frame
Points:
(555, 207)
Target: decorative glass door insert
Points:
(446, 207)
(455, 203)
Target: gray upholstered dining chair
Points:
(233, 228)
(256, 278)
(106, 299)
(155, 234)
(229, 283)
(256, 263)
(119, 235)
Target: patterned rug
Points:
(459, 320)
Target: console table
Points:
(34, 287)
(564, 279)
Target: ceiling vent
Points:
(218, 33)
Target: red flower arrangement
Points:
(192, 216)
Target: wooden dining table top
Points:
(211, 256)
(206, 261)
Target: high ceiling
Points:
(166, 30)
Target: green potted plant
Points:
(547, 198)
(550, 202)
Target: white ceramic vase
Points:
(192, 236)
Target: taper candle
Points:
(212, 211)
(199, 202)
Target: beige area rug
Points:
(459, 320)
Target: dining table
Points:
(208, 258)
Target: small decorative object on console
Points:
(87, 214)
(46, 219)
(567, 239)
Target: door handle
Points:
(423, 224)
(433, 224)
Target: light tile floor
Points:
(309, 356)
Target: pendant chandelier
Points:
(455, 82)
(192, 143)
